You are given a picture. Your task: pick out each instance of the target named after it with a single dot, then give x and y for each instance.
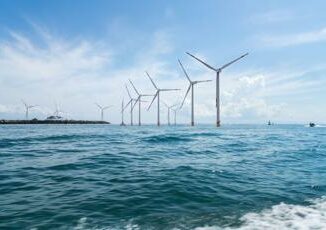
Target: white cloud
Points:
(4, 109)
(270, 17)
(247, 98)
(294, 39)
(76, 73)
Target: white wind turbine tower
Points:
(175, 110)
(122, 113)
(157, 94)
(218, 71)
(169, 109)
(131, 102)
(191, 86)
(57, 111)
(27, 108)
(139, 101)
(102, 109)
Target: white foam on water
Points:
(281, 216)
(284, 216)
(82, 222)
(84, 225)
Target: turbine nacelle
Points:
(103, 108)
(139, 94)
(191, 83)
(169, 107)
(28, 106)
(131, 99)
(217, 69)
(158, 90)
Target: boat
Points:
(311, 124)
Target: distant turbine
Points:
(157, 94)
(122, 113)
(102, 109)
(218, 71)
(175, 115)
(139, 101)
(131, 103)
(169, 108)
(191, 86)
(57, 110)
(27, 107)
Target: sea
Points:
(169, 177)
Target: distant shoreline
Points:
(36, 122)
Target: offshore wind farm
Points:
(138, 99)
(162, 115)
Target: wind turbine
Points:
(139, 101)
(169, 108)
(122, 113)
(27, 107)
(102, 109)
(131, 106)
(57, 111)
(175, 110)
(191, 86)
(157, 94)
(218, 71)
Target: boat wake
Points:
(281, 216)
(284, 216)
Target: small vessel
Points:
(269, 123)
(55, 118)
(311, 124)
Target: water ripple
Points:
(111, 177)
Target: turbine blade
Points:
(235, 60)
(98, 105)
(24, 103)
(128, 92)
(133, 106)
(204, 63)
(185, 96)
(134, 87)
(128, 104)
(152, 100)
(203, 81)
(165, 104)
(169, 89)
(106, 107)
(151, 81)
(184, 71)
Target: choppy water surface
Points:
(111, 177)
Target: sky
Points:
(78, 53)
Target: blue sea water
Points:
(112, 177)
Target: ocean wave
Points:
(284, 216)
(44, 138)
(165, 139)
(281, 216)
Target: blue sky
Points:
(80, 52)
